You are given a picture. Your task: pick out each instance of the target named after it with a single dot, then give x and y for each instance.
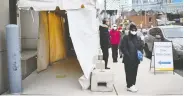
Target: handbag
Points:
(139, 55)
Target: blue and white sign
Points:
(164, 62)
(163, 56)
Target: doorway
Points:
(63, 74)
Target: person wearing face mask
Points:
(104, 41)
(130, 45)
(115, 40)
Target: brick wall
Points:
(146, 21)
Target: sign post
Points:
(162, 57)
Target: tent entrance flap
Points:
(82, 31)
(51, 43)
(85, 38)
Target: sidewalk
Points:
(46, 83)
(163, 83)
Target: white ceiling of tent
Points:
(41, 5)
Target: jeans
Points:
(115, 52)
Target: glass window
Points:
(173, 32)
(150, 19)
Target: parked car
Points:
(165, 33)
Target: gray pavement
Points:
(163, 83)
(46, 83)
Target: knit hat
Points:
(133, 27)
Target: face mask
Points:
(133, 32)
(114, 28)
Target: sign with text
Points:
(163, 56)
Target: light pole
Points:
(105, 6)
(13, 11)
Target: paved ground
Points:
(62, 79)
(163, 83)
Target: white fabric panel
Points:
(42, 5)
(85, 38)
(38, 5)
(73, 4)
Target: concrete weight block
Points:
(102, 80)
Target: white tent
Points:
(82, 25)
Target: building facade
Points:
(176, 1)
(113, 4)
(119, 5)
(146, 21)
(126, 5)
(168, 6)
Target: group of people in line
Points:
(128, 46)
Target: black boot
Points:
(107, 68)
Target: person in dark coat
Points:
(104, 41)
(131, 43)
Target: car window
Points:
(173, 32)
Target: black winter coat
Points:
(104, 36)
(129, 46)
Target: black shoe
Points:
(107, 68)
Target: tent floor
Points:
(59, 79)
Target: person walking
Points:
(131, 45)
(115, 40)
(104, 41)
(120, 29)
